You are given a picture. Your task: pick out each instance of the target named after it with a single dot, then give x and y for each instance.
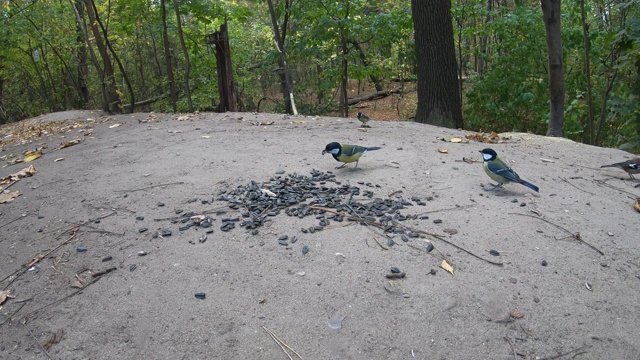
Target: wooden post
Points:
(225, 70)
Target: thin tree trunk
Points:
(187, 70)
(167, 58)
(285, 77)
(115, 56)
(78, 10)
(363, 58)
(551, 17)
(112, 99)
(83, 68)
(587, 69)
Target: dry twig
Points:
(567, 353)
(513, 348)
(282, 344)
(36, 340)
(152, 186)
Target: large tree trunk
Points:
(439, 100)
(285, 77)
(187, 69)
(551, 17)
(167, 58)
(111, 101)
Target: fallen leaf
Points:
(54, 339)
(516, 314)
(297, 122)
(66, 144)
(9, 196)
(35, 260)
(77, 284)
(456, 140)
(468, 161)
(636, 205)
(58, 159)
(443, 151)
(183, 117)
(445, 265)
(4, 295)
(26, 172)
(32, 156)
(206, 136)
(114, 126)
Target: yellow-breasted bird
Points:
(630, 166)
(347, 153)
(363, 119)
(500, 172)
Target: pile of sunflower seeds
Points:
(293, 194)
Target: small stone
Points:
(543, 263)
(280, 172)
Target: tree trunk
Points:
(187, 69)
(363, 58)
(439, 100)
(551, 17)
(111, 99)
(167, 58)
(587, 68)
(83, 68)
(285, 77)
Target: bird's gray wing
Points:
(352, 150)
(503, 171)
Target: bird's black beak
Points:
(324, 152)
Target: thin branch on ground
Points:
(36, 340)
(513, 348)
(575, 236)
(282, 344)
(31, 314)
(403, 227)
(568, 182)
(447, 209)
(152, 186)
(604, 183)
(582, 348)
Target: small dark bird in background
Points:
(630, 166)
(363, 119)
(500, 172)
(347, 153)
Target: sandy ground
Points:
(553, 296)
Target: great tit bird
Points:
(363, 119)
(500, 172)
(630, 166)
(347, 153)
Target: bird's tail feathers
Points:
(616, 165)
(373, 148)
(529, 185)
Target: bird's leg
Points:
(355, 167)
(341, 166)
(497, 186)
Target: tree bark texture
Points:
(551, 17)
(286, 84)
(83, 68)
(187, 66)
(167, 57)
(112, 99)
(439, 100)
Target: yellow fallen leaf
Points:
(445, 265)
(456, 140)
(297, 122)
(443, 151)
(114, 126)
(636, 205)
(206, 136)
(9, 196)
(32, 156)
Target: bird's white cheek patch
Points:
(334, 151)
(486, 157)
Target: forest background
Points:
(157, 55)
